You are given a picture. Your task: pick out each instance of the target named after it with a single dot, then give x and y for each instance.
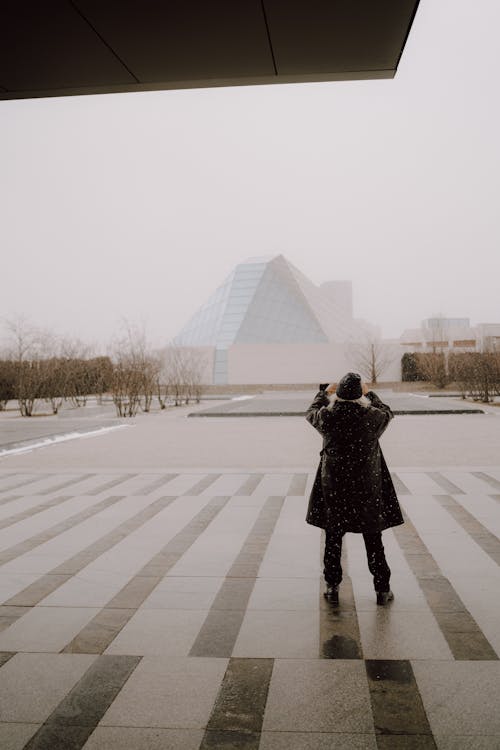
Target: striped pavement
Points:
(184, 610)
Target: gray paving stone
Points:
(32, 685)
(318, 696)
(285, 594)
(406, 742)
(15, 736)
(168, 692)
(188, 592)
(278, 634)
(316, 741)
(45, 628)
(460, 698)
(159, 632)
(468, 742)
(401, 635)
(133, 738)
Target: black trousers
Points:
(377, 564)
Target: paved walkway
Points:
(181, 610)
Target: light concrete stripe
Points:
(157, 484)
(25, 482)
(183, 482)
(9, 499)
(30, 543)
(297, 485)
(488, 542)
(406, 627)
(274, 484)
(285, 628)
(462, 633)
(202, 485)
(32, 685)
(103, 629)
(484, 508)
(445, 484)
(33, 511)
(64, 484)
(228, 483)
(6, 477)
(72, 722)
(69, 543)
(110, 483)
(37, 524)
(495, 483)
(100, 580)
(220, 630)
(215, 551)
(50, 582)
(19, 503)
(400, 487)
(249, 485)
(309, 484)
(293, 550)
(133, 483)
(474, 576)
(466, 481)
(419, 482)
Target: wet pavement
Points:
(159, 608)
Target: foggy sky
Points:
(138, 205)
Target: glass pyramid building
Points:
(266, 300)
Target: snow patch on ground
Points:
(53, 439)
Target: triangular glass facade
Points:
(264, 300)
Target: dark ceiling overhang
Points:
(68, 47)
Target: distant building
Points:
(451, 334)
(268, 323)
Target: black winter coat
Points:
(353, 490)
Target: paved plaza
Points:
(160, 589)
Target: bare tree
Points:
(370, 355)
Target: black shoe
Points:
(384, 596)
(332, 594)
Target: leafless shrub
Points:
(183, 372)
(135, 373)
(477, 374)
(434, 368)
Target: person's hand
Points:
(364, 389)
(331, 388)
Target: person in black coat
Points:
(353, 489)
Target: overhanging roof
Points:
(65, 47)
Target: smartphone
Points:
(323, 386)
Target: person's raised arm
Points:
(318, 413)
(384, 412)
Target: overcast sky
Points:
(139, 205)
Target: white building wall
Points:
(286, 363)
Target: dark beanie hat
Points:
(349, 387)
